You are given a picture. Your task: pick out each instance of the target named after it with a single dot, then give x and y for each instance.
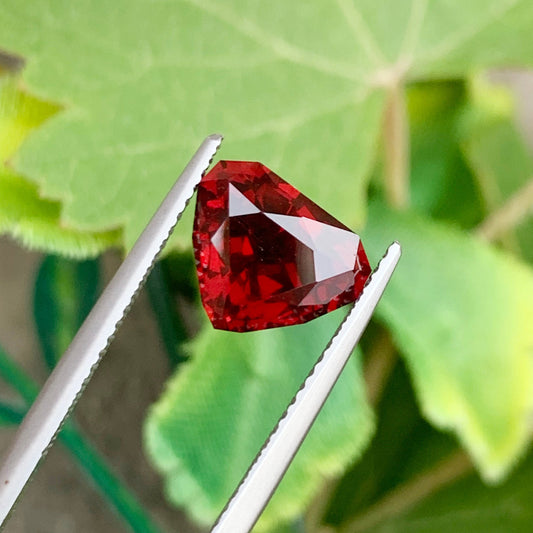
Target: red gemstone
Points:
(266, 255)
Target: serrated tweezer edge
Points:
(268, 468)
(68, 380)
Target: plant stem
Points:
(379, 365)
(396, 146)
(514, 211)
(12, 374)
(318, 508)
(170, 325)
(10, 414)
(115, 493)
(298, 526)
(410, 493)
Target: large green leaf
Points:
(461, 313)
(218, 409)
(24, 214)
(300, 87)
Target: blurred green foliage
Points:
(381, 113)
(65, 292)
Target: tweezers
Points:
(67, 382)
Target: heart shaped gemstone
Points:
(266, 255)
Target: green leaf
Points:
(36, 223)
(388, 460)
(218, 409)
(432, 109)
(442, 185)
(498, 155)
(301, 88)
(65, 292)
(410, 504)
(24, 214)
(461, 313)
(20, 113)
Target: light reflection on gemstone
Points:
(334, 249)
(239, 204)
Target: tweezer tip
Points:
(390, 259)
(215, 137)
(395, 248)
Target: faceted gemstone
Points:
(266, 255)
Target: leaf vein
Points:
(414, 29)
(361, 32)
(454, 41)
(278, 45)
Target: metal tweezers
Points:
(68, 380)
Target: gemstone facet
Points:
(266, 255)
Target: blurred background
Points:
(409, 121)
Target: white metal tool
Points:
(268, 468)
(67, 382)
